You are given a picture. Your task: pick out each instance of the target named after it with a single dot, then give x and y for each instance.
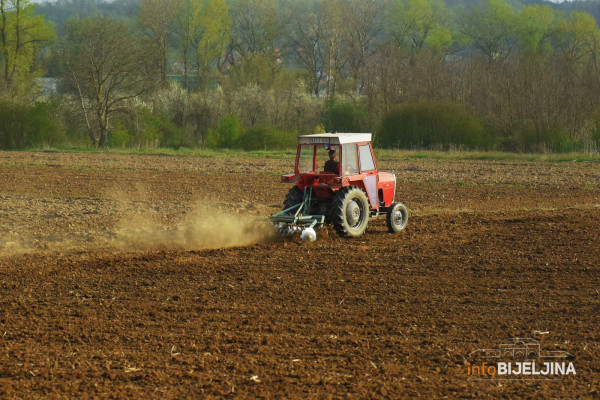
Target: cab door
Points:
(369, 170)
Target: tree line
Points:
(253, 74)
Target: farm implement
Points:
(297, 219)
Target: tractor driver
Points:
(332, 165)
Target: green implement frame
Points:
(299, 214)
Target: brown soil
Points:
(115, 282)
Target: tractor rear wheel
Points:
(397, 217)
(294, 197)
(350, 212)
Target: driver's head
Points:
(332, 154)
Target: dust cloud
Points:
(122, 223)
(13, 248)
(202, 228)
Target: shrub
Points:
(119, 137)
(595, 133)
(431, 124)
(542, 139)
(24, 126)
(266, 138)
(229, 131)
(344, 117)
(163, 128)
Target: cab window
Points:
(349, 159)
(366, 158)
(306, 159)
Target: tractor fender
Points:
(359, 182)
(386, 188)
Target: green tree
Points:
(536, 26)
(22, 36)
(490, 27)
(579, 39)
(105, 65)
(203, 29)
(213, 36)
(420, 23)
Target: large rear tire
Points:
(294, 197)
(397, 217)
(350, 212)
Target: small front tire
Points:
(397, 217)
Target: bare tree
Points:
(305, 30)
(159, 16)
(105, 65)
(255, 27)
(335, 41)
(367, 20)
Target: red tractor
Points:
(345, 192)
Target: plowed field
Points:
(148, 277)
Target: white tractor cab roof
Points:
(334, 138)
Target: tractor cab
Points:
(347, 197)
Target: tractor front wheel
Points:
(350, 212)
(397, 217)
